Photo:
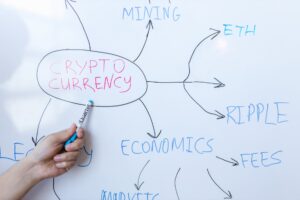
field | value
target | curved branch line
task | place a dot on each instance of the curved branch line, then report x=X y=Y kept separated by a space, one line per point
x=81 y=23
x=175 y=184
x=215 y=34
x=69 y=0
x=184 y=86
x=149 y=26
x=229 y=195
x=53 y=186
x=141 y=50
x=89 y=154
x=149 y=116
x=38 y=127
x=138 y=185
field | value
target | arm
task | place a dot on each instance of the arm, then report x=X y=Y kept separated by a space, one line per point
x=47 y=160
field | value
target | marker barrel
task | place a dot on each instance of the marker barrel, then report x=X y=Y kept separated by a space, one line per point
x=71 y=139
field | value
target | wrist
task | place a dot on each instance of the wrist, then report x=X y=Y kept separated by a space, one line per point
x=33 y=173
x=19 y=179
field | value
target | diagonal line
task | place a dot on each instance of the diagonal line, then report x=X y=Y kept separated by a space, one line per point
x=197 y=102
x=147 y=36
x=78 y=17
x=216 y=183
x=194 y=51
x=53 y=186
x=138 y=182
x=38 y=127
x=149 y=116
x=224 y=160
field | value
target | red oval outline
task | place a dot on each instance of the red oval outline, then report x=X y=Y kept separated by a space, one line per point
x=85 y=50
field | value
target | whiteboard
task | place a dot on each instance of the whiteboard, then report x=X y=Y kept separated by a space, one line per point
x=193 y=99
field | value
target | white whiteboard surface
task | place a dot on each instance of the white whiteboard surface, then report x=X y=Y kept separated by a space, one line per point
x=168 y=69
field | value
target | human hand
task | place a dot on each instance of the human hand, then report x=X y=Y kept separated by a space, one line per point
x=50 y=159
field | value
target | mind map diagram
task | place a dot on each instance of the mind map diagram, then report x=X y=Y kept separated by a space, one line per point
x=155 y=134
x=158 y=155
x=122 y=82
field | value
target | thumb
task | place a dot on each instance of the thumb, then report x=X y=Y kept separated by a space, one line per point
x=64 y=135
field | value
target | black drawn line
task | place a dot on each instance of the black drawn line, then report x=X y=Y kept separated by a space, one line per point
x=217 y=84
x=220 y=84
x=81 y=104
x=175 y=184
x=138 y=185
x=228 y=194
x=149 y=27
x=233 y=162
x=67 y=2
x=156 y=135
x=216 y=113
x=36 y=140
x=211 y=36
x=53 y=186
x=89 y=154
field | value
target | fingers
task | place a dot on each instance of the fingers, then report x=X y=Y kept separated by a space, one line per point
x=64 y=135
x=77 y=144
x=67 y=156
x=65 y=165
x=66 y=160
x=80 y=133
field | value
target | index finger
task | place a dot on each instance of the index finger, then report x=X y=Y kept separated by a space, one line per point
x=76 y=145
x=80 y=133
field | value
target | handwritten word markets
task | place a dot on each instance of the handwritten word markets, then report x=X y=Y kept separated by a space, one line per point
x=108 y=195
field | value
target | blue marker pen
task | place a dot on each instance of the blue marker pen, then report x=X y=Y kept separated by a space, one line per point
x=80 y=122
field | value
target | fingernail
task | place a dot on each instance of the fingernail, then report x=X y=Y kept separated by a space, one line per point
x=57 y=158
x=74 y=124
x=68 y=147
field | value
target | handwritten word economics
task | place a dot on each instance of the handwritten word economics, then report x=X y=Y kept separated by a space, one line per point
x=187 y=145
